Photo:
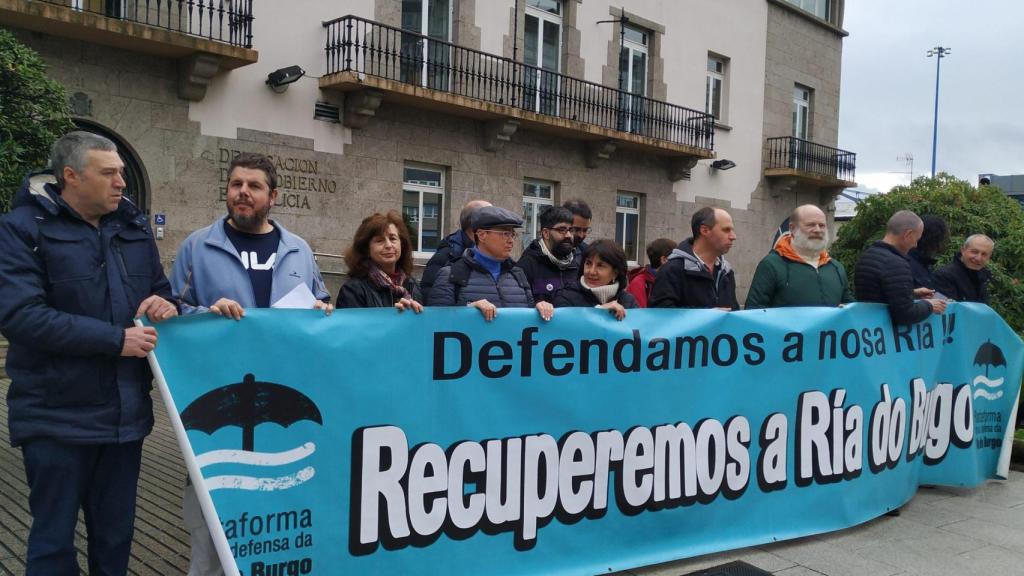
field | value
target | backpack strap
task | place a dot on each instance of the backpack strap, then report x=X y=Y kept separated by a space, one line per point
x=521 y=278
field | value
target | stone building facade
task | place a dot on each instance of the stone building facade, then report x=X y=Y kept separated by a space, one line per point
x=348 y=143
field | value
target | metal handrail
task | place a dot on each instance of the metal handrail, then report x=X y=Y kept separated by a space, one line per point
x=375 y=49
x=228 y=21
x=807 y=156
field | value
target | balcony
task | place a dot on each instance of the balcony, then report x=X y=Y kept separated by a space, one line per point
x=792 y=159
x=204 y=36
x=375 y=62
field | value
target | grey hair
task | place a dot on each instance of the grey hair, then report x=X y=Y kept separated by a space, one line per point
x=903 y=221
x=71 y=149
x=974 y=237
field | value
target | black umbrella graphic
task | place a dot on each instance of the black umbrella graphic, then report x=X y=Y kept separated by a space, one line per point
x=989 y=355
x=248 y=404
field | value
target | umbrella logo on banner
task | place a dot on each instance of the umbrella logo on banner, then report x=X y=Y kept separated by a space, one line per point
x=247 y=404
x=988 y=355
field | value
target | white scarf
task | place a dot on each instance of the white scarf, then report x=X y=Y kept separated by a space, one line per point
x=604 y=294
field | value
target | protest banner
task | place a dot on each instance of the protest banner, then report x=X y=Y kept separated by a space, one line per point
x=375 y=442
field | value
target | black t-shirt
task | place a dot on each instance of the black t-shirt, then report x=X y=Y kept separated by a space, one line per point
x=258 y=253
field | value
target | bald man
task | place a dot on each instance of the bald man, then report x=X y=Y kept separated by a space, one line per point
x=966 y=278
x=799 y=271
x=883 y=272
x=451 y=248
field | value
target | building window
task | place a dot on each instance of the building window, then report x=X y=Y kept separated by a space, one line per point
x=820 y=8
x=543 y=41
x=801 y=112
x=423 y=206
x=633 y=58
x=714 y=94
x=537 y=195
x=627 y=225
x=424 y=61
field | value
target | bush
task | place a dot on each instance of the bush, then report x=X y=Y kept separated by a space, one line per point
x=33 y=114
x=967 y=210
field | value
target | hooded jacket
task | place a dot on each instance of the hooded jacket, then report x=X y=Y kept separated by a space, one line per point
x=546 y=278
x=641 y=281
x=68 y=290
x=783 y=278
x=449 y=250
x=684 y=281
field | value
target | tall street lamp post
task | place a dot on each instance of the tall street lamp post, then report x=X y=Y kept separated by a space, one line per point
x=939 y=52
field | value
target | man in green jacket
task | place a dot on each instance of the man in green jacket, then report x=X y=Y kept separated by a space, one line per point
x=798 y=271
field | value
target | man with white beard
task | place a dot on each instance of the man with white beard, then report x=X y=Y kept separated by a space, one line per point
x=799 y=271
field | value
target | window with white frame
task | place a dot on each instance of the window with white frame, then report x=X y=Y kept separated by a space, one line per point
x=537 y=195
x=627 y=225
x=423 y=206
x=542 y=48
x=714 y=94
x=633 y=58
x=820 y=8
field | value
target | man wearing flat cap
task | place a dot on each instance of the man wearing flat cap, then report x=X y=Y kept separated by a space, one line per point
x=485 y=277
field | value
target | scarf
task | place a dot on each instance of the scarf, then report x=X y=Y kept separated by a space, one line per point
x=382 y=279
x=604 y=294
x=561 y=263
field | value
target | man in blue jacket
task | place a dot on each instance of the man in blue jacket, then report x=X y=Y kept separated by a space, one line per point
x=78 y=264
x=242 y=260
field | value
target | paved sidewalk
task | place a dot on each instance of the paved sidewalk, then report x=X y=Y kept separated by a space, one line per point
x=942 y=531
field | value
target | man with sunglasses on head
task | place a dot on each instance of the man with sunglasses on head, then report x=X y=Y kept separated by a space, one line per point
x=549 y=261
x=485 y=277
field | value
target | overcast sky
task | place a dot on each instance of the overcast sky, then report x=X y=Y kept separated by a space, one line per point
x=888 y=88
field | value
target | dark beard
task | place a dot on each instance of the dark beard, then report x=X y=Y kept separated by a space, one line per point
x=562 y=249
x=250 y=223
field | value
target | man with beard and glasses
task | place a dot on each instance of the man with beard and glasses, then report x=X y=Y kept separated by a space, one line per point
x=550 y=262
x=799 y=271
x=243 y=260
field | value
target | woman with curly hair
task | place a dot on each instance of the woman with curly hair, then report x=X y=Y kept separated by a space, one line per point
x=380 y=266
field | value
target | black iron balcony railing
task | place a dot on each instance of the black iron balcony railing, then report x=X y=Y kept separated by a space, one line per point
x=797 y=154
x=228 y=21
x=366 y=47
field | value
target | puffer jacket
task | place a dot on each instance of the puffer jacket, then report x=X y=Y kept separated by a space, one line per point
x=883 y=275
x=67 y=292
x=546 y=278
x=466 y=280
x=361 y=292
x=685 y=282
x=448 y=250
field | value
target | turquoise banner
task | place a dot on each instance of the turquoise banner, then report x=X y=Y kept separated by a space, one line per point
x=372 y=442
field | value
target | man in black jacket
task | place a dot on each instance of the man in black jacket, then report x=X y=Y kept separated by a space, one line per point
x=883 y=272
x=965 y=278
x=451 y=248
x=697 y=275
x=549 y=261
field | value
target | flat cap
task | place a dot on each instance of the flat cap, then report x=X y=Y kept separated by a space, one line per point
x=493 y=217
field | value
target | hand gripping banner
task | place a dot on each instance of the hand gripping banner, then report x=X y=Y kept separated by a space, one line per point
x=375 y=442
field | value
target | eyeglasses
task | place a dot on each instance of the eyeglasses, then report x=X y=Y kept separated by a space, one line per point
x=563 y=230
x=578 y=230
x=506 y=234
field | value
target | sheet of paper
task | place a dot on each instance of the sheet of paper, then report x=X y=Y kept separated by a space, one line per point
x=298 y=297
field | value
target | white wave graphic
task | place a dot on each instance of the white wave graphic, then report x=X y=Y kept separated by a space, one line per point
x=228 y=482
x=255 y=458
x=981 y=379
x=980 y=393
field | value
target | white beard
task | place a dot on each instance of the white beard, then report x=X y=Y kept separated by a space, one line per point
x=804 y=244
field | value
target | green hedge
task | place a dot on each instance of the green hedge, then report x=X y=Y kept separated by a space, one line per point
x=33 y=114
x=967 y=210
